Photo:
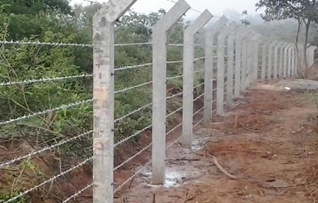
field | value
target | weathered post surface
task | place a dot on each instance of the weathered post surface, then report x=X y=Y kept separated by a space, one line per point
x=103 y=95
x=188 y=76
x=159 y=74
x=220 y=67
x=209 y=66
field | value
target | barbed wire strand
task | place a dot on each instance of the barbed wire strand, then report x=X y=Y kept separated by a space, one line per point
x=133 y=112
x=198 y=123
x=71 y=105
x=200 y=70
x=198 y=111
x=174 y=128
x=175 y=95
x=199 y=58
x=132 y=177
x=133 y=135
x=170 y=114
x=44 y=80
x=61 y=44
x=45 y=149
x=198 y=85
x=49 y=180
x=132 y=157
x=132 y=67
x=78 y=193
x=172 y=62
x=174 y=77
x=133 y=87
x=198 y=97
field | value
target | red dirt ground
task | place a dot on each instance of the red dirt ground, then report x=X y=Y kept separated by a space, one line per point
x=269 y=143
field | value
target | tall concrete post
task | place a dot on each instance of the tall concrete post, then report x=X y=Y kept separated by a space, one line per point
x=230 y=68
x=271 y=60
x=209 y=66
x=264 y=59
x=220 y=67
x=103 y=94
x=238 y=61
x=188 y=76
x=277 y=61
x=159 y=74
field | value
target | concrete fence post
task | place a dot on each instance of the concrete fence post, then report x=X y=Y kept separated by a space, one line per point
x=282 y=60
x=221 y=68
x=209 y=67
x=159 y=74
x=293 y=60
x=255 y=64
x=285 y=56
x=289 y=60
x=264 y=60
x=103 y=94
x=277 y=58
x=188 y=76
x=238 y=61
x=230 y=68
x=270 y=60
x=244 y=68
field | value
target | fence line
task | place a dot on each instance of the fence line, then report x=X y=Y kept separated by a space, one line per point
x=235 y=58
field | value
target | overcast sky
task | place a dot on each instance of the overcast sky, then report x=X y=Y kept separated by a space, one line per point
x=216 y=7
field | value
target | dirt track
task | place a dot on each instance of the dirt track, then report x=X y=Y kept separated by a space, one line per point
x=269 y=143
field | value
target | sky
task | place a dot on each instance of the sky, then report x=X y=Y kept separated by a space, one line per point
x=216 y=7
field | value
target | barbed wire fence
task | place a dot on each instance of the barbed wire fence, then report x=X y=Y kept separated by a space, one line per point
x=139 y=110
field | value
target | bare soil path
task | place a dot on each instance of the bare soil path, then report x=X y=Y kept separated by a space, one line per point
x=269 y=143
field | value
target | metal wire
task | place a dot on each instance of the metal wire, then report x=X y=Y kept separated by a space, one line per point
x=198 y=123
x=132 y=157
x=49 y=180
x=201 y=95
x=78 y=193
x=198 y=85
x=198 y=59
x=132 y=67
x=71 y=105
x=132 y=177
x=175 y=95
x=60 y=44
x=135 y=111
x=175 y=45
x=133 y=87
x=172 y=62
x=45 y=149
x=200 y=70
x=198 y=111
x=174 y=77
x=170 y=114
x=174 y=142
x=133 y=135
x=133 y=44
x=45 y=43
x=44 y=80
x=173 y=129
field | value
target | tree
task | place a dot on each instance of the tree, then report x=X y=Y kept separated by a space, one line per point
x=304 y=11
